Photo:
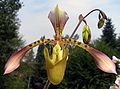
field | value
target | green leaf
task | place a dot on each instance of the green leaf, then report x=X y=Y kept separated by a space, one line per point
x=86 y=34
x=101 y=23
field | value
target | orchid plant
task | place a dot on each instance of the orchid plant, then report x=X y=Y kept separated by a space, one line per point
x=56 y=63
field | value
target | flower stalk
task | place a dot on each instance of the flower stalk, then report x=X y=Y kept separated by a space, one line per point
x=47 y=84
x=83 y=19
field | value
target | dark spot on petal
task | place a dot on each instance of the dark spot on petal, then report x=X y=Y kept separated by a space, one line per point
x=75 y=41
x=70 y=40
x=35 y=42
x=38 y=41
x=30 y=45
x=52 y=40
x=48 y=39
x=42 y=40
x=79 y=43
x=85 y=46
x=65 y=39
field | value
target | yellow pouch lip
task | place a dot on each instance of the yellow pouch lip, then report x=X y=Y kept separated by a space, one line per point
x=55 y=71
x=49 y=60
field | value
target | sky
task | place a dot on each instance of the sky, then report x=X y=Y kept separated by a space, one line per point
x=35 y=23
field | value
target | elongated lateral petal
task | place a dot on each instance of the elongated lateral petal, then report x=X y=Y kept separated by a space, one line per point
x=14 y=61
x=103 y=61
x=58 y=18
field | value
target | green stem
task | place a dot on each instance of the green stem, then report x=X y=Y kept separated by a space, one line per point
x=82 y=20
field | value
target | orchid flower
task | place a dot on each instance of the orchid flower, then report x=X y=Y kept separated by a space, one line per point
x=56 y=63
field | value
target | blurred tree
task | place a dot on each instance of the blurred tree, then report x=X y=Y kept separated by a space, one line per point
x=39 y=76
x=109 y=37
x=10 y=41
x=9 y=38
x=21 y=78
x=118 y=44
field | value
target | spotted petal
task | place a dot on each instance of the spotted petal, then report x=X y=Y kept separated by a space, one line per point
x=103 y=61
x=14 y=60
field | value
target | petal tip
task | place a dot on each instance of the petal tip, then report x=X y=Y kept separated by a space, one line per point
x=14 y=60
x=5 y=73
x=114 y=71
x=103 y=61
x=58 y=18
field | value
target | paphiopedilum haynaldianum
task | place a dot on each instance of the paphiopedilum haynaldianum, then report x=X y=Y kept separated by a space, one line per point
x=56 y=63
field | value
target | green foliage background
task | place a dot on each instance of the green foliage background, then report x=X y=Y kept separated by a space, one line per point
x=11 y=41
